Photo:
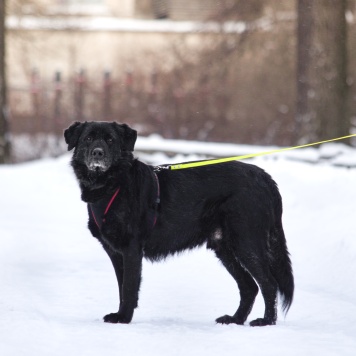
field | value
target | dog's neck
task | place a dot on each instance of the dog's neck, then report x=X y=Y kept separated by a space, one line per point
x=92 y=195
x=95 y=186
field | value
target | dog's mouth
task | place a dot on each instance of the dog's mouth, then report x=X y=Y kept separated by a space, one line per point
x=99 y=166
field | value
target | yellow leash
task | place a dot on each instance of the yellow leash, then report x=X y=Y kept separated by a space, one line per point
x=237 y=158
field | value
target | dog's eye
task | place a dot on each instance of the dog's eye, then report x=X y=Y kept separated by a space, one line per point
x=109 y=140
x=88 y=139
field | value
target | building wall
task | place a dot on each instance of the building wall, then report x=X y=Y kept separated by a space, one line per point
x=94 y=51
x=149 y=9
x=47 y=35
x=122 y=8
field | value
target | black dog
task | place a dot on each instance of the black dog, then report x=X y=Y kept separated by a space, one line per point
x=136 y=212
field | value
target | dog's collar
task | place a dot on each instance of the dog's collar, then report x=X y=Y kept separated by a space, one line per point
x=100 y=208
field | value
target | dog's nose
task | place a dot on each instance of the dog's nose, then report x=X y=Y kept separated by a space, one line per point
x=97 y=153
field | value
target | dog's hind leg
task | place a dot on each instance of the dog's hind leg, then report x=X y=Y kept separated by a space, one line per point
x=247 y=286
x=259 y=270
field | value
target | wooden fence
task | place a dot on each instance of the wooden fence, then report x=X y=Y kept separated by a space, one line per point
x=49 y=106
x=153 y=102
x=181 y=104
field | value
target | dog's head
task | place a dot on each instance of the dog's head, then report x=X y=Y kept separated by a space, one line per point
x=100 y=145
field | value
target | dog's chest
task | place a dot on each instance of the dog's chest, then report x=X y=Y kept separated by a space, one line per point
x=100 y=209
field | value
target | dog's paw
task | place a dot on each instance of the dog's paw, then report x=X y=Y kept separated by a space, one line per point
x=227 y=319
x=117 y=318
x=262 y=322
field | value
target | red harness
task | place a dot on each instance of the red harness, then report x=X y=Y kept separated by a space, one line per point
x=100 y=209
x=97 y=209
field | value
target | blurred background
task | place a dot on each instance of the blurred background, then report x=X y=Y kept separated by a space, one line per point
x=264 y=72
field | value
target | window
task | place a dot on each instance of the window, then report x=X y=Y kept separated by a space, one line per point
x=80 y=2
x=160 y=9
x=81 y=7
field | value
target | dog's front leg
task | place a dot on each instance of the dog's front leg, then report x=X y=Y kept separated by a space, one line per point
x=118 y=264
x=132 y=269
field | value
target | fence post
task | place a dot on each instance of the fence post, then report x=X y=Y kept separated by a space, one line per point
x=154 y=82
x=129 y=82
x=107 y=85
x=35 y=100
x=79 y=95
x=57 y=112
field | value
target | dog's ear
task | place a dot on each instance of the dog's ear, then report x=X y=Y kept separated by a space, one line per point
x=72 y=133
x=129 y=136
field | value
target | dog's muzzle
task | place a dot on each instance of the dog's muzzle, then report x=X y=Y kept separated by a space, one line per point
x=98 y=160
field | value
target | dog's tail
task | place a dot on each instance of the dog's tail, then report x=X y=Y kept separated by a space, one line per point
x=279 y=260
x=281 y=267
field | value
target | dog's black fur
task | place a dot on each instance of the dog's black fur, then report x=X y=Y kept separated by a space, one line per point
x=235 y=208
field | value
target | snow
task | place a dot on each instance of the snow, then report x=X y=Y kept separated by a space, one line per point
x=57 y=283
x=336 y=153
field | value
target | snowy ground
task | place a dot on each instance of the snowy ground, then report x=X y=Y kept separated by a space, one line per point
x=57 y=283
